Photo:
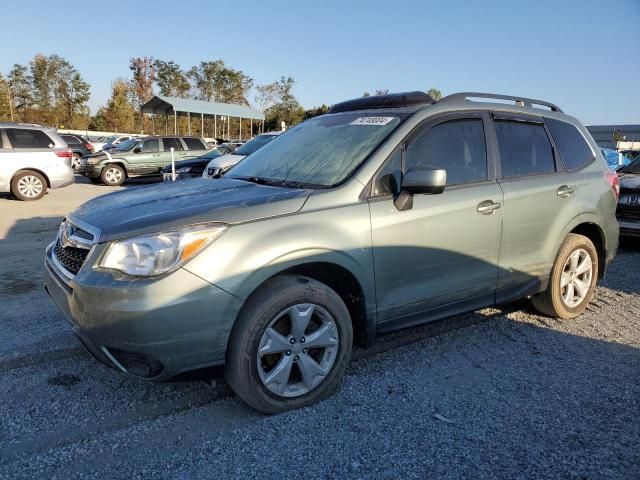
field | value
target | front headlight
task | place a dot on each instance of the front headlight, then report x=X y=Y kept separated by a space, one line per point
x=184 y=170
x=159 y=253
x=93 y=160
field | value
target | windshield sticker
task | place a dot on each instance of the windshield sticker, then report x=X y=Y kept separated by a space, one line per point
x=372 y=121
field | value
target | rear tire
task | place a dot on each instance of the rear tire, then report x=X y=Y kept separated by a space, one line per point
x=75 y=162
x=573 y=279
x=112 y=175
x=28 y=185
x=267 y=338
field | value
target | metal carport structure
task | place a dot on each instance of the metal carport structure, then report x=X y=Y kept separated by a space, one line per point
x=185 y=107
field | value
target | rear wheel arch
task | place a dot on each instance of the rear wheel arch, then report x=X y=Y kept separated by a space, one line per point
x=17 y=172
x=594 y=233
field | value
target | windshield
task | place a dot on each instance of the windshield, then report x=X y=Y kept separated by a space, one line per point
x=110 y=139
x=323 y=151
x=253 y=145
x=126 y=146
x=633 y=167
x=213 y=153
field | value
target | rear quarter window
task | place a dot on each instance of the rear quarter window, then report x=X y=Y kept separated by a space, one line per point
x=574 y=149
x=70 y=139
x=194 y=144
x=23 y=138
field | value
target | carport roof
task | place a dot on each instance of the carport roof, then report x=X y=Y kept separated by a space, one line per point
x=162 y=104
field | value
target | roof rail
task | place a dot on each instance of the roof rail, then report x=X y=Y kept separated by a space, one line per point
x=519 y=101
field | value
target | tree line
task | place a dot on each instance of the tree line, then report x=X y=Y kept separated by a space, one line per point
x=51 y=91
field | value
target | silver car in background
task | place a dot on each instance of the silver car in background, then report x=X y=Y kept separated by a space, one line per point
x=32 y=159
x=219 y=165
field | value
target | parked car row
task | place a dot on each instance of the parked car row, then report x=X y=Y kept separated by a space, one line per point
x=139 y=157
x=387 y=212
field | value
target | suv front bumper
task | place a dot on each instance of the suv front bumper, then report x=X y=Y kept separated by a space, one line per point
x=88 y=170
x=153 y=329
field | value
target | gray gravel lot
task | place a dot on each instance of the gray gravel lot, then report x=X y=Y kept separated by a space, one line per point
x=499 y=393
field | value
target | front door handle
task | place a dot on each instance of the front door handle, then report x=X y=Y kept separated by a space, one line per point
x=487 y=207
x=565 y=191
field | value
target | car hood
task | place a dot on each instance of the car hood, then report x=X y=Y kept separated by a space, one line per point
x=630 y=181
x=225 y=160
x=153 y=208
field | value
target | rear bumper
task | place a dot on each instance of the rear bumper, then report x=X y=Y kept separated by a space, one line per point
x=61 y=177
x=149 y=329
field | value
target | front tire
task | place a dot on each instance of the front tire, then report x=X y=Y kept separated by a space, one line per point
x=290 y=345
x=573 y=279
x=28 y=185
x=112 y=175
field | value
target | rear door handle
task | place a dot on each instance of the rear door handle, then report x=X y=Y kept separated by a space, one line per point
x=565 y=191
x=487 y=207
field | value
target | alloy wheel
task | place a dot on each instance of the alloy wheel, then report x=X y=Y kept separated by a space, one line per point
x=30 y=186
x=113 y=175
x=576 y=278
x=297 y=350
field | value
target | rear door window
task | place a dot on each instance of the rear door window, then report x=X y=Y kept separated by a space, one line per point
x=574 y=149
x=525 y=149
x=458 y=146
x=172 y=142
x=23 y=138
x=151 y=146
x=194 y=144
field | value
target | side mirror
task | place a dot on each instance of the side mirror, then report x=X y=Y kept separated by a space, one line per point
x=429 y=180
x=137 y=150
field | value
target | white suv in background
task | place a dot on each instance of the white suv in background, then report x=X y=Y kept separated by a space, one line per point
x=32 y=159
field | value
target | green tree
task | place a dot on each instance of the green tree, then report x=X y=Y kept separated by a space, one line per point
x=214 y=81
x=314 y=112
x=285 y=107
x=20 y=88
x=144 y=75
x=120 y=114
x=99 y=121
x=434 y=93
x=6 y=108
x=171 y=80
x=72 y=94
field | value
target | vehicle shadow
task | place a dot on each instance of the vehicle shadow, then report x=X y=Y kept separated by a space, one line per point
x=129 y=182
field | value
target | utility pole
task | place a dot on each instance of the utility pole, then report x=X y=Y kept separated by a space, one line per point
x=10 y=102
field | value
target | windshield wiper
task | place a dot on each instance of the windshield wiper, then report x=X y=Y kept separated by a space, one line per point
x=274 y=182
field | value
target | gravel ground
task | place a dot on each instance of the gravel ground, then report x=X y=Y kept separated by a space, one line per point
x=499 y=393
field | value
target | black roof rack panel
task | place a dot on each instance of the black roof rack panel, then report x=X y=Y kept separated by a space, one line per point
x=519 y=101
x=391 y=100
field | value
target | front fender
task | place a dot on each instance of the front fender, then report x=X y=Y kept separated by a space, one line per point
x=248 y=254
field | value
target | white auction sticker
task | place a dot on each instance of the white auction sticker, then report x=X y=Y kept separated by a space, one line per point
x=372 y=121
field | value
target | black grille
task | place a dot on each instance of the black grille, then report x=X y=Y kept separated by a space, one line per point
x=70 y=258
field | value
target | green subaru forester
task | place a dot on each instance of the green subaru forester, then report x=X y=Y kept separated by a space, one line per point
x=387 y=212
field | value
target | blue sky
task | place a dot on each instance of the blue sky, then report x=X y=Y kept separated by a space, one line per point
x=582 y=55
